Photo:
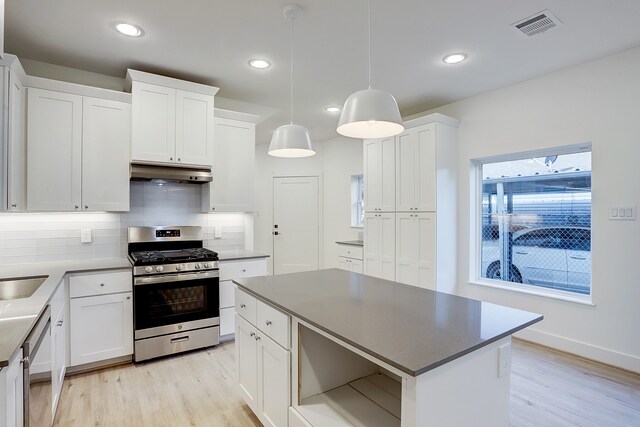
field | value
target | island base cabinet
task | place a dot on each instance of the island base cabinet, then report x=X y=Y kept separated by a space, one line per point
x=11 y=408
x=101 y=328
x=263 y=374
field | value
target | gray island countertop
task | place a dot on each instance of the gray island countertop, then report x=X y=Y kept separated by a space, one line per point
x=410 y=328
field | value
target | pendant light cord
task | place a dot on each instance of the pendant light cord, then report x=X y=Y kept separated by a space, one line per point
x=369 y=44
x=291 y=110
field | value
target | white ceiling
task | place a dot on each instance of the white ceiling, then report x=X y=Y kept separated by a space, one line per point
x=210 y=41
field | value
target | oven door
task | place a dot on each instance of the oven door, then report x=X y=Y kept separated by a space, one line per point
x=170 y=303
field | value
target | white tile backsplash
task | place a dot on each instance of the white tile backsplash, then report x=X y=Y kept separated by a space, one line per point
x=31 y=237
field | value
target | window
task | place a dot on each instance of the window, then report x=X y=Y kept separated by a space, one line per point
x=357 y=200
x=535 y=221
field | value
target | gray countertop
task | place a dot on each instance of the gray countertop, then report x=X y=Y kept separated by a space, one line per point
x=238 y=254
x=351 y=242
x=17 y=317
x=412 y=329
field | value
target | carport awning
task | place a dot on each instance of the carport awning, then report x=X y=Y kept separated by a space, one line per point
x=557 y=182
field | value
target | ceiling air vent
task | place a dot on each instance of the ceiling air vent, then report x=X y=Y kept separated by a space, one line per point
x=536 y=24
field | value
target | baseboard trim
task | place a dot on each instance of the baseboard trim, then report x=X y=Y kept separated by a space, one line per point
x=588 y=351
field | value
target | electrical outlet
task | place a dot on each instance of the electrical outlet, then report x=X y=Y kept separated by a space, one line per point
x=217 y=232
x=85 y=235
x=504 y=359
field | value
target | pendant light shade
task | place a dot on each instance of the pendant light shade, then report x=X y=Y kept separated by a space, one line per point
x=370 y=113
x=291 y=141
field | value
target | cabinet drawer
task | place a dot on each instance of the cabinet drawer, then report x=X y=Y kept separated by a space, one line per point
x=349 y=251
x=246 y=306
x=227 y=294
x=241 y=269
x=99 y=284
x=274 y=323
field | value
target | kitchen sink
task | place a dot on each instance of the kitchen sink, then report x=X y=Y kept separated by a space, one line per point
x=21 y=287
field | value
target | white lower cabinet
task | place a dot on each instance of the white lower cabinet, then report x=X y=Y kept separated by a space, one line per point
x=11 y=403
x=101 y=324
x=58 y=354
x=380 y=245
x=263 y=367
x=350 y=258
x=416 y=249
x=229 y=270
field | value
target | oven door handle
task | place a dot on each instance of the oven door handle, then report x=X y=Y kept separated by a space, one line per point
x=180 y=277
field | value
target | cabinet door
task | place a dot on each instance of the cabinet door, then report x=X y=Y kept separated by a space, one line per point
x=372 y=245
x=11 y=396
x=406 y=172
x=58 y=358
x=388 y=246
x=407 y=247
x=101 y=327
x=17 y=147
x=232 y=189
x=106 y=137
x=247 y=362
x=372 y=175
x=356 y=266
x=54 y=150
x=426 y=223
x=194 y=128
x=425 y=139
x=274 y=377
x=388 y=198
x=153 y=123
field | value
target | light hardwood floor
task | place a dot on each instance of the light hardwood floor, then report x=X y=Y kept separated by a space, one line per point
x=549 y=389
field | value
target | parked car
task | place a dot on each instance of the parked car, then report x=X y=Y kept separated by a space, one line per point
x=553 y=257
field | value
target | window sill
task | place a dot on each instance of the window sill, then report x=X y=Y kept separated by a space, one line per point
x=585 y=300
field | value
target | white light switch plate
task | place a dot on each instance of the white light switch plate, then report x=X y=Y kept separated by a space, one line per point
x=85 y=235
x=217 y=232
x=625 y=213
x=504 y=359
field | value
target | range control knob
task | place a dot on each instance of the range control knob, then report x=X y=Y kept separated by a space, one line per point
x=179 y=267
x=159 y=268
x=148 y=269
x=198 y=265
x=206 y=265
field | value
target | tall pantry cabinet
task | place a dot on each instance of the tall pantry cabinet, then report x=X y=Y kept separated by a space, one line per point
x=410 y=204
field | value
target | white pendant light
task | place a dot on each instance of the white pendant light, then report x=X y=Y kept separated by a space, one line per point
x=291 y=140
x=370 y=113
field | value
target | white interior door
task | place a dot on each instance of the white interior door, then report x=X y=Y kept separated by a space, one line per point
x=296 y=224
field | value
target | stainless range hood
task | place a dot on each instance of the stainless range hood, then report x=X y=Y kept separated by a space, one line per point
x=141 y=172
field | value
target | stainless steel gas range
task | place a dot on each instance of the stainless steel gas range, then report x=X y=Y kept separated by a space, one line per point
x=175 y=293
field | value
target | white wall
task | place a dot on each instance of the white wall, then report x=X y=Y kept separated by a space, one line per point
x=597 y=102
x=336 y=160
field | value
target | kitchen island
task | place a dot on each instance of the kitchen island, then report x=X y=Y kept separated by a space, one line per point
x=358 y=350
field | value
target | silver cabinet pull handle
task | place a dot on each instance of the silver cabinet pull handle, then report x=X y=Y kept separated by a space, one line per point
x=171 y=159
x=243 y=306
x=252 y=334
x=257 y=338
x=179 y=159
x=14 y=205
x=268 y=322
x=101 y=285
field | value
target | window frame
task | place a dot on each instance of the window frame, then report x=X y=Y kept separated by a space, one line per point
x=475 y=226
x=357 y=187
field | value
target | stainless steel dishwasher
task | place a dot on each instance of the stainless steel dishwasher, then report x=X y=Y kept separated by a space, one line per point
x=36 y=351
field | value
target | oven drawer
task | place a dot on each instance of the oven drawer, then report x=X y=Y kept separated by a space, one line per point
x=99 y=284
x=246 y=306
x=274 y=323
x=349 y=251
x=175 y=343
x=240 y=269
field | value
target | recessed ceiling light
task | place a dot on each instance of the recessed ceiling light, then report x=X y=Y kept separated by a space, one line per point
x=129 y=29
x=332 y=109
x=260 y=64
x=454 y=58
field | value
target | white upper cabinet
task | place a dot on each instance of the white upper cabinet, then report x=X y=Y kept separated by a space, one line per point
x=154 y=123
x=194 y=128
x=232 y=189
x=106 y=138
x=78 y=152
x=379 y=175
x=416 y=169
x=172 y=120
x=54 y=146
x=16 y=149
